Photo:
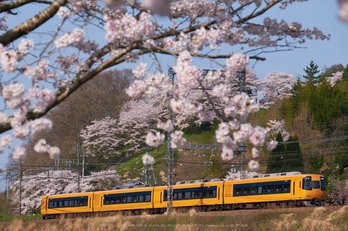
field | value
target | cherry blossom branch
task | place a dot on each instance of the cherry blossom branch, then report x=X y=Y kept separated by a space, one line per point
x=32 y=23
x=13 y=5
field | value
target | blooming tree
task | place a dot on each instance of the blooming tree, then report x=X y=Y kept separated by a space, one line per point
x=238 y=175
x=39 y=72
x=101 y=137
x=278 y=127
x=276 y=86
x=334 y=78
x=136 y=118
x=34 y=187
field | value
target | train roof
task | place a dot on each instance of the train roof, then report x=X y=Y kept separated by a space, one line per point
x=275 y=175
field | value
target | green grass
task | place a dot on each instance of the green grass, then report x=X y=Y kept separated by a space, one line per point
x=24 y=217
x=134 y=165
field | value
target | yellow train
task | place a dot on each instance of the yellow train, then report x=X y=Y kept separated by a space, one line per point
x=262 y=191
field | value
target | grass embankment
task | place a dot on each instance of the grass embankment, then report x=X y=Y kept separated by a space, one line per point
x=318 y=219
x=189 y=165
x=25 y=217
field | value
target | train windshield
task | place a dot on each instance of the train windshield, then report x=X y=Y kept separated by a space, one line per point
x=307 y=183
x=322 y=183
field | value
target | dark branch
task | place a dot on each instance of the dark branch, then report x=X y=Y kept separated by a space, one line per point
x=32 y=23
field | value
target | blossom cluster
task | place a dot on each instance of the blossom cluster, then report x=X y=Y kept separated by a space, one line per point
x=148 y=159
x=334 y=78
x=41 y=147
x=128 y=28
x=277 y=127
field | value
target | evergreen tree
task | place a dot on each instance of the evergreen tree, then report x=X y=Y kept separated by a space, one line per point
x=293 y=160
x=286 y=157
x=311 y=71
x=315 y=163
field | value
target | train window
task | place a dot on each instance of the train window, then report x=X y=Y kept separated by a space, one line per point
x=253 y=190
x=270 y=188
x=307 y=183
x=322 y=183
x=214 y=193
x=187 y=194
x=195 y=194
x=180 y=196
x=118 y=200
x=141 y=197
x=238 y=191
x=71 y=203
x=316 y=184
x=200 y=194
x=175 y=196
x=148 y=198
x=286 y=188
x=66 y=203
x=135 y=198
x=129 y=199
x=300 y=184
x=60 y=204
x=246 y=190
x=50 y=204
x=264 y=189
x=278 y=188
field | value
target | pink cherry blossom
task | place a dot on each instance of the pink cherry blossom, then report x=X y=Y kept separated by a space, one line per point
x=18 y=153
x=154 y=140
x=9 y=60
x=41 y=146
x=6 y=140
x=254 y=165
x=54 y=152
x=177 y=140
x=237 y=62
x=254 y=152
x=3 y=118
x=166 y=126
x=227 y=154
x=272 y=145
x=24 y=45
x=140 y=71
x=148 y=159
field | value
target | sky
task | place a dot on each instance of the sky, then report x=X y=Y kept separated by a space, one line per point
x=322 y=14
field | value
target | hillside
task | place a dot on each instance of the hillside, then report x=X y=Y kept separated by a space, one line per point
x=188 y=164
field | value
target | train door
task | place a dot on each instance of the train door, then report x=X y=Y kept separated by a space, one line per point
x=322 y=188
x=293 y=186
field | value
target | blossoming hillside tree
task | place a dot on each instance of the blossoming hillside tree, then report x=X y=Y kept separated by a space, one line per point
x=136 y=118
x=39 y=72
x=53 y=182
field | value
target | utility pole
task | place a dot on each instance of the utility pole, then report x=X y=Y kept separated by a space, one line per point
x=170 y=152
x=20 y=190
x=242 y=148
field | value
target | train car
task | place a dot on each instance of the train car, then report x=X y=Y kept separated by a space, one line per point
x=265 y=190
x=203 y=194
x=125 y=199
x=283 y=189
x=63 y=204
